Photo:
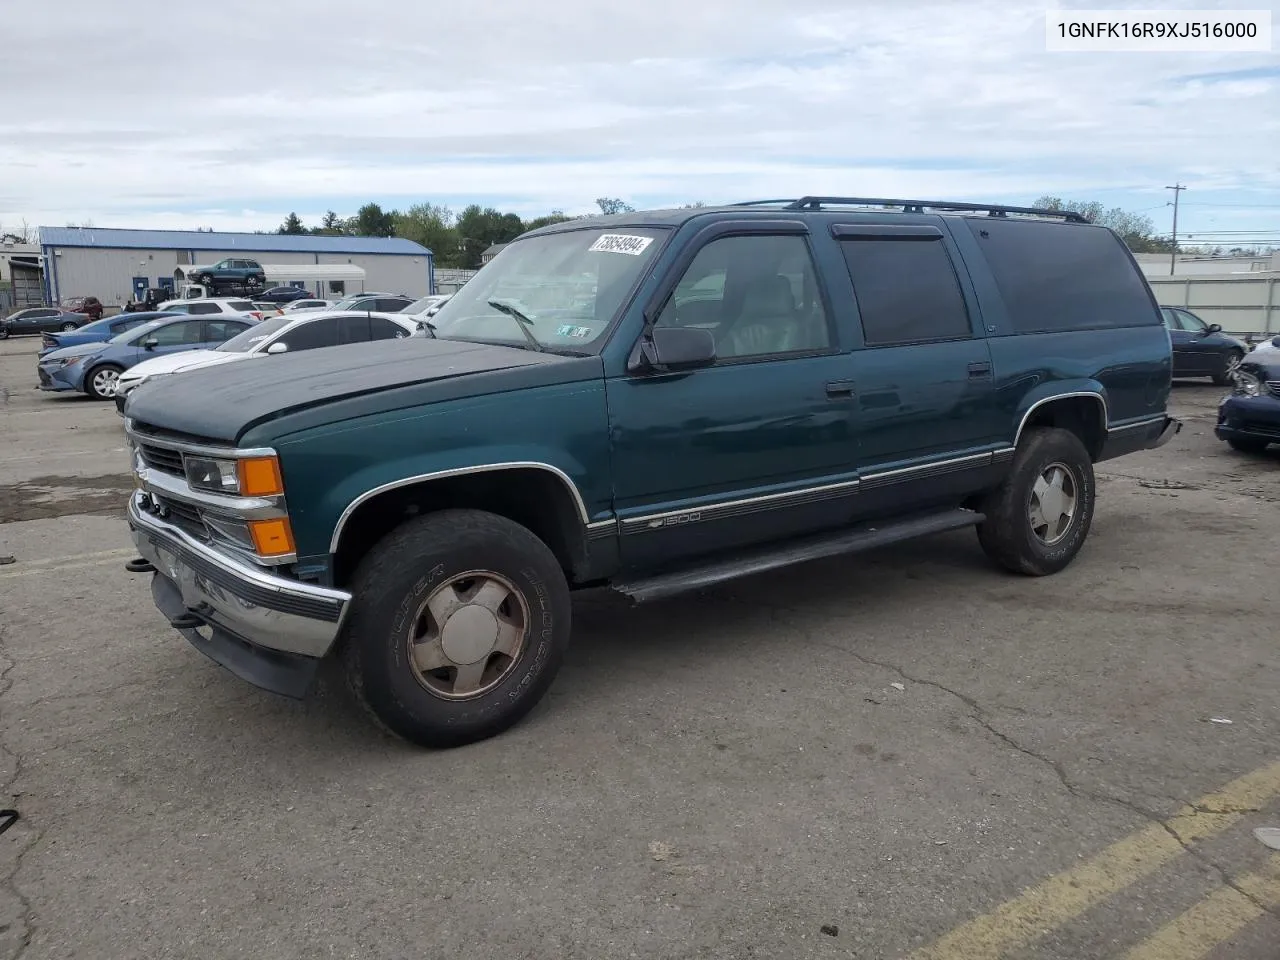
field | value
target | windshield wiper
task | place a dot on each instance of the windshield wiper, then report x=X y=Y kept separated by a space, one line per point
x=523 y=322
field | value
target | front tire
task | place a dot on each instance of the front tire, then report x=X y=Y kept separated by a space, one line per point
x=1223 y=379
x=1038 y=519
x=100 y=382
x=461 y=620
x=67 y=327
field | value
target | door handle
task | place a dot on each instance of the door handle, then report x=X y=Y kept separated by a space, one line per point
x=979 y=371
x=839 y=389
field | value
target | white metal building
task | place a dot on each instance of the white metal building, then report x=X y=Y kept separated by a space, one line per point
x=118 y=265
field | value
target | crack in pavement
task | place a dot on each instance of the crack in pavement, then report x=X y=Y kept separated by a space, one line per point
x=10 y=881
x=978 y=714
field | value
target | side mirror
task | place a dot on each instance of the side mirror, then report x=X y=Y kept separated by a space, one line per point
x=150 y=343
x=676 y=348
x=1275 y=341
x=278 y=347
x=1215 y=328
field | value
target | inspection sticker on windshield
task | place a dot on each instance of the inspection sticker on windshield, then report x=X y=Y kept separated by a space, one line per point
x=622 y=243
x=577 y=333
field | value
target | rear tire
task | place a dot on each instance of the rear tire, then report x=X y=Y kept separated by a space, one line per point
x=428 y=598
x=4 y=332
x=1223 y=379
x=67 y=327
x=1247 y=445
x=99 y=383
x=1038 y=519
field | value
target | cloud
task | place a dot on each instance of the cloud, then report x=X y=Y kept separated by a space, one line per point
x=248 y=110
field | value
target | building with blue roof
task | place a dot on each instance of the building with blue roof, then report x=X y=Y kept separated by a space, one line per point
x=117 y=265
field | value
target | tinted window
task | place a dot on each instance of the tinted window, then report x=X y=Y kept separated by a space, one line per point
x=216 y=331
x=353 y=329
x=239 y=305
x=309 y=336
x=380 y=328
x=203 y=308
x=906 y=291
x=391 y=304
x=757 y=294
x=1059 y=276
x=183 y=332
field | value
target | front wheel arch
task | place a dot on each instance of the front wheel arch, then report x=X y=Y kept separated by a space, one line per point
x=539 y=497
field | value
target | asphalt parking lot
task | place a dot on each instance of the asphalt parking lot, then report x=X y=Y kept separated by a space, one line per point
x=902 y=755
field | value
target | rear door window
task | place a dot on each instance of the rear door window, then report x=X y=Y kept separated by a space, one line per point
x=203 y=308
x=906 y=290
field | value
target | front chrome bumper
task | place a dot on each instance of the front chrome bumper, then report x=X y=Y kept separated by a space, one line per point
x=253 y=605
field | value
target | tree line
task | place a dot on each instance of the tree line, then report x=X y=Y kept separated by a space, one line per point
x=457 y=240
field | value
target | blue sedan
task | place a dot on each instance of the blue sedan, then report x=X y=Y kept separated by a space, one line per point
x=1249 y=417
x=93 y=368
x=99 y=331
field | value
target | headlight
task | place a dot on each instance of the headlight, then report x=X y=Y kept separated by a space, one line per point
x=248 y=477
x=206 y=473
x=1247 y=384
x=59 y=362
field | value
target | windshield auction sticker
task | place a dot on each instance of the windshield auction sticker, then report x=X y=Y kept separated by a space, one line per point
x=621 y=243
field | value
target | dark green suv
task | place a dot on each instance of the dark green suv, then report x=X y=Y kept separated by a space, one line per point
x=653 y=402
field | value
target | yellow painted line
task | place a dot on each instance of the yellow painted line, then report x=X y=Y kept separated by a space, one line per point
x=1067 y=895
x=56 y=564
x=1196 y=932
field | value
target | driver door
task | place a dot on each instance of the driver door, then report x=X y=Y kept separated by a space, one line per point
x=758 y=446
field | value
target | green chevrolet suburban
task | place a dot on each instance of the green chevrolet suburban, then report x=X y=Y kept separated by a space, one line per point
x=651 y=402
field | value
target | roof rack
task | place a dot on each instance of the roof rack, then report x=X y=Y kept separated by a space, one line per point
x=917 y=206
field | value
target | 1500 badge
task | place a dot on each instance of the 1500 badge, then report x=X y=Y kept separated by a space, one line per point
x=674 y=521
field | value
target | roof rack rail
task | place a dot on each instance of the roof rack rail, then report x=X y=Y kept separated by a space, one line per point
x=919 y=206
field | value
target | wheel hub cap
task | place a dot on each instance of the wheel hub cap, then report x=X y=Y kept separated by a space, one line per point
x=1053 y=503
x=467 y=635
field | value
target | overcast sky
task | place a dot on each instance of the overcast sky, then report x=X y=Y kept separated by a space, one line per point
x=151 y=113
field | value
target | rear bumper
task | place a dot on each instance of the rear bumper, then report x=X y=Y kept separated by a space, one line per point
x=1148 y=434
x=268 y=630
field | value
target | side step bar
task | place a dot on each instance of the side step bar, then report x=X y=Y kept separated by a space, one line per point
x=865 y=536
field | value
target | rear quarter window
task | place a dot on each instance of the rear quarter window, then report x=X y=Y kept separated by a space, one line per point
x=1055 y=277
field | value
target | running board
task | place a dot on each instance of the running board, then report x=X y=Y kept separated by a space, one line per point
x=865 y=536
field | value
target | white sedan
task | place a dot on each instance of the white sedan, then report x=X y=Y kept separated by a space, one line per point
x=305 y=330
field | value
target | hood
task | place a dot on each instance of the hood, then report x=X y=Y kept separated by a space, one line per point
x=172 y=362
x=1264 y=365
x=222 y=404
x=75 y=350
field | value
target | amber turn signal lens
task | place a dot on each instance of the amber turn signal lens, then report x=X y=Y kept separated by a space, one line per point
x=260 y=477
x=271 y=538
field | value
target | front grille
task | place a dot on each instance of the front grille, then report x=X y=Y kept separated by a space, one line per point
x=44 y=377
x=161 y=458
x=1274 y=387
x=182 y=515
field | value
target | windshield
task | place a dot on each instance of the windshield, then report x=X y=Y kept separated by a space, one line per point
x=246 y=340
x=569 y=286
x=133 y=332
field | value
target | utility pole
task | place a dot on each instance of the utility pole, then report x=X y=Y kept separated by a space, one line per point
x=1177 y=189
